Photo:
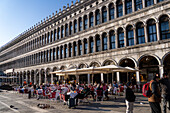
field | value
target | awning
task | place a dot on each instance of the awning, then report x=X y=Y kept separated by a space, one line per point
x=95 y=70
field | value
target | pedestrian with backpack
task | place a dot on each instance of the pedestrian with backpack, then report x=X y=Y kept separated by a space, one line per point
x=129 y=98
x=165 y=90
x=155 y=98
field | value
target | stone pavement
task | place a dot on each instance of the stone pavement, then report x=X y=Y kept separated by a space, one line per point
x=23 y=105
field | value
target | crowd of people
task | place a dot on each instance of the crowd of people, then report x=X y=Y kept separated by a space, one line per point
x=160 y=89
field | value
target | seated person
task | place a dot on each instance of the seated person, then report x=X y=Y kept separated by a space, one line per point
x=63 y=93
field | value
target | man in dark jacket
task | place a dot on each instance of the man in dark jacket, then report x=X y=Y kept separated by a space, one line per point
x=155 y=99
x=165 y=89
x=129 y=98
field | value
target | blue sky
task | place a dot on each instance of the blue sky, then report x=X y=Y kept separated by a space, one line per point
x=16 y=16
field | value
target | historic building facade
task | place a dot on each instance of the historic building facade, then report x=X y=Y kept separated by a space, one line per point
x=134 y=33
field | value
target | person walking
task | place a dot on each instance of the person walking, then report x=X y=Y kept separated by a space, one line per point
x=155 y=98
x=165 y=90
x=129 y=98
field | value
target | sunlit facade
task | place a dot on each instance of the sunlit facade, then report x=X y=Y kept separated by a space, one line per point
x=134 y=33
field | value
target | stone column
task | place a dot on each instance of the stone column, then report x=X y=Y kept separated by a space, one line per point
x=108 y=41
x=22 y=78
x=107 y=13
x=77 y=78
x=88 y=76
x=19 y=77
x=88 y=19
x=146 y=34
x=137 y=76
x=133 y=6
x=52 y=79
x=134 y=32
x=78 y=25
x=40 y=78
x=101 y=16
x=88 y=43
x=27 y=77
x=107 y=78
x=35 y=78
x=115 y=10
x=94 y=46
x=118 y=77
x=73 y=49
x=112 y=77
x=102 y=77
x=30 y=78
x=125 y=39
x=94 y=13
x=101 y=43
x=158 y=31
x=161 y=70
x=143 y=3
x=45 y=78
x=124 y=7
x=116 y=38
x=83 y=23
x=92 y=78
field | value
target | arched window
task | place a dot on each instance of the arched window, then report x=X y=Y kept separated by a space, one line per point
x=48 y=55
x=149 y=3
x=42 y=57
x=54 y=53
x=58 y=53
x=85 y=22
x=112 y=40
x=151 y=28
x=85 y=46
x=43 y=41
x=91 y=45
x=160 y=0
x=80 y=24
x=130 y=35
x=70 y=50
x=164 y=27
x=65 y=51
x=51 y=54
x=128 y=6
x=98 y=43
x=80 y=47
x=75 y=48
x=48 y=37
x=104 y=40
x=97 y=17
x=119 y=4
x=58 y=33
x=75 y=26
x=111 y=11
x=46 y=40
x=91 y=19
x=104 y=14
x=66 y=29
x=140 y=33
x=120 y=37
x=71 y=28
x=62 y=52
x=55 y=34
x=62 y=31
x=52 y=38
x=138 y=5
